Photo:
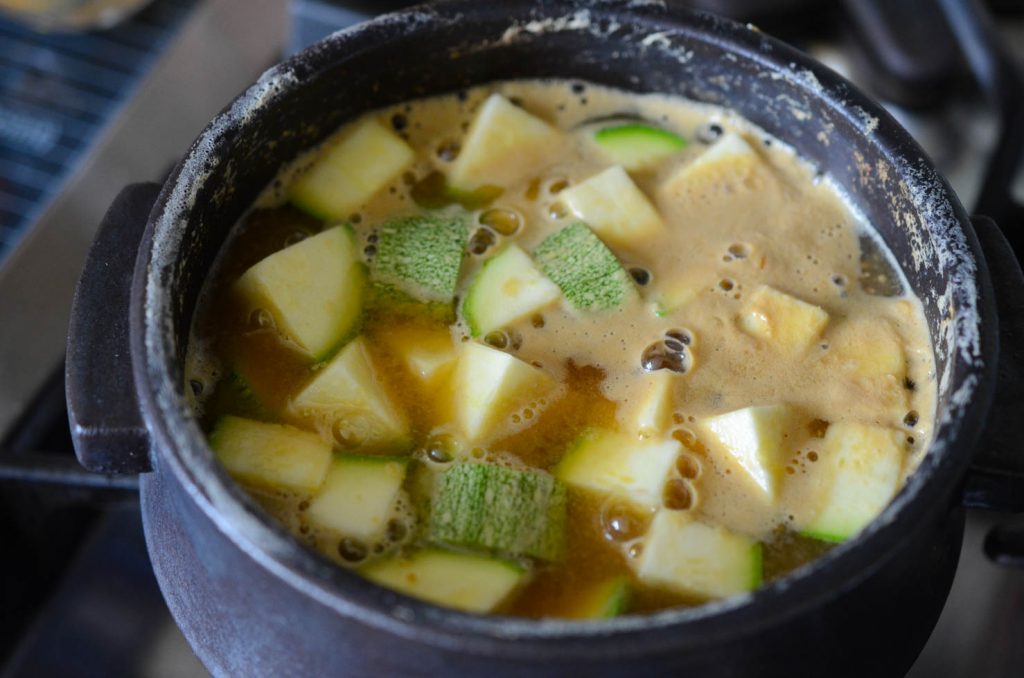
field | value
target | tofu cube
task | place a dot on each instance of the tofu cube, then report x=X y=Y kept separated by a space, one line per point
x=782 y=320
x=754 y=438
x=504 y=145
x=696 y=559
x=614 y=208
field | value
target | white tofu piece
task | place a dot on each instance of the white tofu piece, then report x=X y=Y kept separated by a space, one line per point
x=504 y=144
x=614 y=208
x=754 y=437
x=697 y=559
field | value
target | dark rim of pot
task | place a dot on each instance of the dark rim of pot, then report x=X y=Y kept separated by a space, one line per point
x=180 y=447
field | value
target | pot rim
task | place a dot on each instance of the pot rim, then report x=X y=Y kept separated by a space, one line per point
x=179 y=446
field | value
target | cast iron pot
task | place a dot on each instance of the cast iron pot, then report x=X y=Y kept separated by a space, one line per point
x=252 y=601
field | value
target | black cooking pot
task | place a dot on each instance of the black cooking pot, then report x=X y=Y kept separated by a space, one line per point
x=252 y=601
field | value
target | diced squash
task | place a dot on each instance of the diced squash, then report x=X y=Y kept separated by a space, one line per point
x=347 y=394
x=697 y=559
x=421 y=256
x=492 y=508
x=464 y=581
x=859 y=469
x=351 y=170
x=727 y=161
x=603 y=600
x=612 y=205
x=271 y=456
x=678 y=289
x=507 y=289
x=782 y=320
x=426 y=351
x=489 y=385
x=312 y=289
x=504 y=144
x=358 y=496
x=637 y=146
x=755 y=438
x=867 y=348
x=621 y=465
x=587 y=272
x=650 y=412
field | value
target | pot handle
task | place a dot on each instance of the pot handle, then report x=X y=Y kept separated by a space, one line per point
x=103 y=409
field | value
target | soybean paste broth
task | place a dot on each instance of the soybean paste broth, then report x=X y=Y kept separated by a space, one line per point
x=775 y=224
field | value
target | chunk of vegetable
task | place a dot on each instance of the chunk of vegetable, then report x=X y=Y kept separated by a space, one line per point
x=348 y=395
x=426 y=351
x=358 y=496
x=587 y=272
x=648 y=415
x=729 y=160
x=464 y=581
x=488 y=507
x=351 y=170
x=782 y=320
x=507 y=289
x=312 y=289
x=421 y=256
x=621 y=465
x=489 y=385
x=272 y=456
x=615 y=208
x=504 y=145
x=696 y=559
x=637 y=146
x=868 y=348
x=859 y=470
x=754 y=437
x=603 y=600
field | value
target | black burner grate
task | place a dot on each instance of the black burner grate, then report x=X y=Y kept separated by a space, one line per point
x=57 y=94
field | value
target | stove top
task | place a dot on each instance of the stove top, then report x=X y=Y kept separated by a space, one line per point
x=83 y=115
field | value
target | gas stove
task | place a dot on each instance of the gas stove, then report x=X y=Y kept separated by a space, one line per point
x=82 y=115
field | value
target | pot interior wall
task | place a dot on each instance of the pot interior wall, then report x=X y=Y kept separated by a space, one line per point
x=641 y=47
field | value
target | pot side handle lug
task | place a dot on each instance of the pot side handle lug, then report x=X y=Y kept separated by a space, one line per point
x=103 y=410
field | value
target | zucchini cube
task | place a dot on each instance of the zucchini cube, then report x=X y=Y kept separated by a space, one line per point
x=503 y=146
x=350 y=170
x=427 y=352
x=349 y=394
x=358 y=495
x=696 y=559
x=730 y=160
x=859 y=471
x=489 y=385
x=754 y=438
x=782 y=320
x=637 y=146
x=464 y=581
x=421 y=256
x=621 y=465
x=271 y=456
x=508 y=288
x=587 y=272
x=612 y=205
x=313 y=289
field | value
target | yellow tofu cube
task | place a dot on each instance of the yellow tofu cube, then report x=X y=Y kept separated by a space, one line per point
x=504 y=145
x=782 y=320
x=755 y=438
x=614 y=208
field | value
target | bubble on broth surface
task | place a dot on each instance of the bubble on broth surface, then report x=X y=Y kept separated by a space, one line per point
x=502 y=220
